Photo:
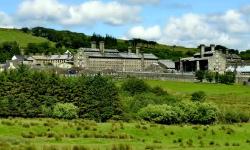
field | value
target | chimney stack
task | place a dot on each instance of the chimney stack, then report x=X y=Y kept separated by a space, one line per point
x=93 y=44
x=102 y=46
x=202 y=50
x=212 y=46
x=129 y=49
x=137 y=50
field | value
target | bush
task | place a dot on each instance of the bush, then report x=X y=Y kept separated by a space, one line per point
x=209 y=76
x=199 y=96
x=235 y=117
x=197 y=113
x=159 y=91
x=142 y=100
x=65 y=111
x=200 y=75
x=135 y=86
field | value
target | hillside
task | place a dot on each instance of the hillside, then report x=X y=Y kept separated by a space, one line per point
x=63 y=40
x=20 y=37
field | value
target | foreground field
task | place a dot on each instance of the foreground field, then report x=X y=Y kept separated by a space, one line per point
x=79 y=134
x=233 y=97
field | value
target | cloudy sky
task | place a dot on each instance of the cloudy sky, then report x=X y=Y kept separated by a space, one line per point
x=174 y=22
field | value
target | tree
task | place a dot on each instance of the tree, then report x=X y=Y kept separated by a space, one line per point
x=65 y=111
x=101 y=101
x=200 y=75
x=135 y=86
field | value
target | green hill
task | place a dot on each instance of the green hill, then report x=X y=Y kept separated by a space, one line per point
x=20 y=37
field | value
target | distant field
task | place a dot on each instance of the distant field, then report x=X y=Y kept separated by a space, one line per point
x=38 y=134
x=22 y=38
x=236 y=97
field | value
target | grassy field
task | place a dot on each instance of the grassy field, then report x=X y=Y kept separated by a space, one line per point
x=22 y=38
x=235 y=97
x=79 y=134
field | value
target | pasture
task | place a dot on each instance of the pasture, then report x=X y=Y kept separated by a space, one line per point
x=20 y=37
x=38 y=134
x=233 y=97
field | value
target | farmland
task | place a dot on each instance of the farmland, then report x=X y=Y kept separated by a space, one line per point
x=20 y=37
x=236 y=97
x=83 y=134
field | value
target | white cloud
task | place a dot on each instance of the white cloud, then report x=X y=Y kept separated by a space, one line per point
x=230 y=28
x=5 y=20
x=150 y=33
x=142 y=1
x=87 y=13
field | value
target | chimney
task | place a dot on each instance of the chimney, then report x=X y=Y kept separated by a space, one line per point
x=102 y=46
x=202 y=50
x=212 y=46
x=137 y=50
x=22 y=51
x=93 y=44
x=129 y=49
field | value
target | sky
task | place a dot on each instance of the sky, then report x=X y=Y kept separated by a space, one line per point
x=174 y=22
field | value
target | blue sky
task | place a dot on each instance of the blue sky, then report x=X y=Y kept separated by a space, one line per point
x=180 y=22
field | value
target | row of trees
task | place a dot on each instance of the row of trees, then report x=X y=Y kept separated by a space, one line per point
x=7 y=50
x=226 y=78
x=25 y=93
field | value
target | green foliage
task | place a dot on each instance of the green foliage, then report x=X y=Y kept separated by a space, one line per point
x=135 y=86
x=232 y=116
x=245 y=55
x=197 y=113
x=159 y=91
x=227 y=78
x=30 y=93
x=142 y=100
x=200 y=75
x=101 y=100
x=199 y=96
x=7 y=50
x=209 y=76
x=65 y=111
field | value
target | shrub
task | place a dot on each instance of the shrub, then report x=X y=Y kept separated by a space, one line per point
x=159 y=91
x=142 y=100
x=209 y=76
x=232 y=116
x=200 y=75
x=199 y=96
x=65 y=111
x=135 y=86
x=197 y=113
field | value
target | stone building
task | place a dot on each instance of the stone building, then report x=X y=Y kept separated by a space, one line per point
x=62 y=61
x=102 y=59
x=212 y=60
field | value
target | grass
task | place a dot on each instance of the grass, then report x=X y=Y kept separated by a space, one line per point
x=236 y=97
x=20 y=37
x=111 y=135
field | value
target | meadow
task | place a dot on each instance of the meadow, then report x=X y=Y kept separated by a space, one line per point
x=20 y=37
x=234 y=97
x=38 y=134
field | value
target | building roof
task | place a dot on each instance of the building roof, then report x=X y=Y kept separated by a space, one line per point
x=51 y=57
x=119 y=55
x=167 y=63
x=241 y=69
x=18 y=58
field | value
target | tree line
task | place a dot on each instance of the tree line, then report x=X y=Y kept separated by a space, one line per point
x=25 y=93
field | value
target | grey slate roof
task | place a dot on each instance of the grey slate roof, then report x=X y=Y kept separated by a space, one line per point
x=168 y=63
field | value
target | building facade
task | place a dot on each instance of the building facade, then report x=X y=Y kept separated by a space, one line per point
x=111 y=59
x=212 y=60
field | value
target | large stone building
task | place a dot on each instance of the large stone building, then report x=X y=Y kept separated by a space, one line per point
x=111 y=59
x=212 y=60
